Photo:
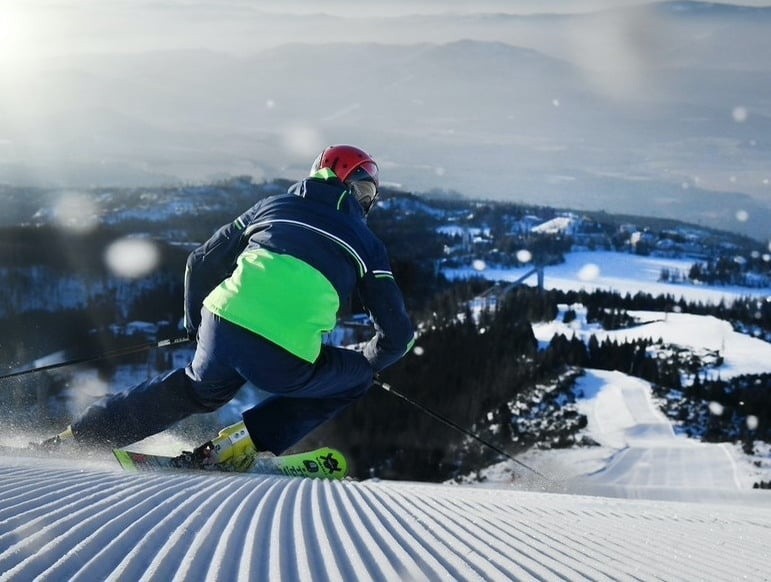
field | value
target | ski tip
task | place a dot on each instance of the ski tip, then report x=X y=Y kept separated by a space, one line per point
x=335 y=463
x=124 y=459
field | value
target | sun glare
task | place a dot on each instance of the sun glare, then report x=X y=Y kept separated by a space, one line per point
x=17 y=43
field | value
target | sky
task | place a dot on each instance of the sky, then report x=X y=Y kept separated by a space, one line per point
x=587 y=112
x=30 y=29
x=647 y=503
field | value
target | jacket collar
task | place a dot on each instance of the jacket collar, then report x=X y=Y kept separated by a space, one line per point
x=325 y=187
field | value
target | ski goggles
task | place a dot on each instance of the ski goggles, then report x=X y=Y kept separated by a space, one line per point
x=366 y=193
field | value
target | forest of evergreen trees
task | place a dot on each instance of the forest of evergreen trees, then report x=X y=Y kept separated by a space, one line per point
x=752 y=271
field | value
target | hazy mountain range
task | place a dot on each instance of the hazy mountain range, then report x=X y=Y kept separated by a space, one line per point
x=662 y=109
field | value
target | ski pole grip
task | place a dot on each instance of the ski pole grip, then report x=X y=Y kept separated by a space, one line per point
x=173 y=341
x=384 y=385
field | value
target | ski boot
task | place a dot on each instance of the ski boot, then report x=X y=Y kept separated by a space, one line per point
x=54 y=443
x=231 y=450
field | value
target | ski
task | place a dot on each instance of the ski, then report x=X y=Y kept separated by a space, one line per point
x=323 y=463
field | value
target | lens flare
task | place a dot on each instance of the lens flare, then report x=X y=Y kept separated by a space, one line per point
x=132 y=257
x=76 y=212
x=302 y=142
x=740 y=114
x=589 y=272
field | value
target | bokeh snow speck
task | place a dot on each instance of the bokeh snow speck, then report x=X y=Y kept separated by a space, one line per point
x=418 y=351
x=132 y=257
x=716 y=408
x=85 y=390
x=752 y=422
x=739 y=114
x=589 y=272
x=76 y=212
x=524 y=256
x=479 y=265
x=302 y=142
x=742 y=215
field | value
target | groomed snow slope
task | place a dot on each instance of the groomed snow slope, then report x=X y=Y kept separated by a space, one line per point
x=91 y=522
x=640 y=455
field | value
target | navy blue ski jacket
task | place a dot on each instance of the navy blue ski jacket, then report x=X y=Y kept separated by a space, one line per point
x=284 y=268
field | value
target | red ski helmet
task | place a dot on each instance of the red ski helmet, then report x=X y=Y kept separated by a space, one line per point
x=343 y=160
x=354 y=167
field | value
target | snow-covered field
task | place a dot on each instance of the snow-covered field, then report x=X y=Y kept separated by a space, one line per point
x=646 y=504
x=621 y=272
x=741 y=354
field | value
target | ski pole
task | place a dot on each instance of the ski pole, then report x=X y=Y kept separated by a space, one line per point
x=446 y=421
x=104 y=355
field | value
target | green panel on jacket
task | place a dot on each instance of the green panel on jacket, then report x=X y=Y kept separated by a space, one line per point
x=279 y=297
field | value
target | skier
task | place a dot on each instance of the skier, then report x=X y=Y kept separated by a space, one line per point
x=259 y=295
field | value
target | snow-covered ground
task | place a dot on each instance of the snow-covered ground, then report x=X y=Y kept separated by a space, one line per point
x=89 y=522
x=621 y=272
x=640 y=456
x=645 y=504
x=741 y=354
